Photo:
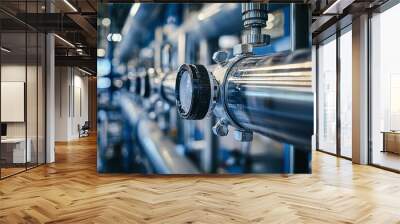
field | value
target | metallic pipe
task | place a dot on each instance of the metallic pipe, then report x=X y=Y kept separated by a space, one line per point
x=129 y=109
x=116 y=142
x=273 y=96
x=161 y=151
x=212 y=22
x=254 y=16
x=137 y=30
x=168 y=88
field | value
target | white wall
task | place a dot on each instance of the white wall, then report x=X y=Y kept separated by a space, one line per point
x=33 y=126
x=71 y=93
x=13 y=73
x=80 y=94
x=61 y=103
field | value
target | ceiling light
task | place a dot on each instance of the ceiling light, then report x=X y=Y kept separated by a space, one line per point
x=109 y=36
x=84 y=71
x=79 y=51
x=106 y=22
x=5 y=50
x=116 y=37
x=134 y=9
x=337 y=7
x=65 y=41
x=101 y=52
x=70 y=5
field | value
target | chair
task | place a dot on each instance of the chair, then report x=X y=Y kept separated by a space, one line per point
x=84 y=130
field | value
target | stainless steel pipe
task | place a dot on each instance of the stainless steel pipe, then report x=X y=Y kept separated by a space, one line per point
x=161 y=151
x=168 y=88
x=273 y=96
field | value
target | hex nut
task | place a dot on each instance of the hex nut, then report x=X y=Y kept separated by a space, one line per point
x=220 y=129
x=220 y=57
x=242 y=49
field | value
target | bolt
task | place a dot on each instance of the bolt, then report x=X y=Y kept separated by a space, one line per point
x=220 y=57
x=242 y=49
x=220 y=128
x=243 y=136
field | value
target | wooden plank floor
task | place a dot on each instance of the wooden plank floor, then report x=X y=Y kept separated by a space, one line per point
x=70 y=191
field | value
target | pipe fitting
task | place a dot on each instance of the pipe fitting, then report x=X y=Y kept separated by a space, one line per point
x=242 y=49
x=248 y=96
x=254 y=17
x=221 y=128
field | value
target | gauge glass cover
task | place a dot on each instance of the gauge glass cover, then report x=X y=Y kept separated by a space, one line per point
x=186 y=91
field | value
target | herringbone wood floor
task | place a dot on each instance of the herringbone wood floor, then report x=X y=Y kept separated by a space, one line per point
x=70 y=191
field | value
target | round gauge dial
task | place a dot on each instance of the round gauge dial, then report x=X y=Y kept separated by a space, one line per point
x=186 y=91
x=193 y=91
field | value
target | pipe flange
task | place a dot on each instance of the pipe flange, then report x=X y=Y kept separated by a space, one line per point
x=224 y=89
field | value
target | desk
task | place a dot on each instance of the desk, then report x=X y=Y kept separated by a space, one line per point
x=13 y=150
x=391 y=141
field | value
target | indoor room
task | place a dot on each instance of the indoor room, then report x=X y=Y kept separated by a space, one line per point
x=281 y=111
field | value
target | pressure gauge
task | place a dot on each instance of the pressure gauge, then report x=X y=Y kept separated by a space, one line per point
x=193 y=91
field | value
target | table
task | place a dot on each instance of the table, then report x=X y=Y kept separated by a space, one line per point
x=15 y=148
x=391 y=141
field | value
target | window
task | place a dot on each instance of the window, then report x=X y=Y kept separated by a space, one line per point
x=385 y=89
x=327 y=96
x=346 y=92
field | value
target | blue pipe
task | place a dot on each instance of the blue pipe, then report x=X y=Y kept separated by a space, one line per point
x=138 y=30
x=213 y=21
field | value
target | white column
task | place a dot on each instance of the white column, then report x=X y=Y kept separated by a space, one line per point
x=50 y=99
x=360 y=90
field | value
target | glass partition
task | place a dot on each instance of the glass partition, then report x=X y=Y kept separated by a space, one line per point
x=22 y=88
x=32 y=96
x=15 y=149
x=41 y=97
